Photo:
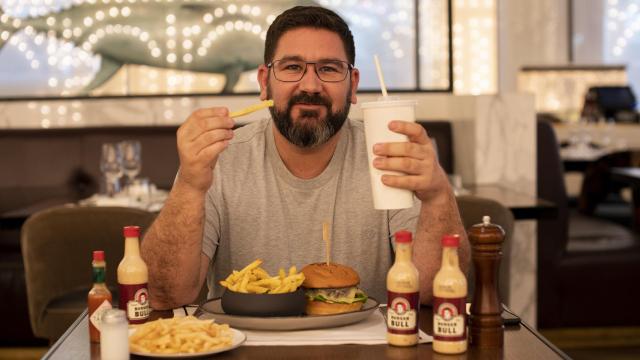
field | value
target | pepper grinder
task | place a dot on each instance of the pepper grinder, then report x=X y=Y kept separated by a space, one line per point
x=486 y=328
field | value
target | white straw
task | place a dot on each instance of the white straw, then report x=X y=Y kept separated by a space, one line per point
x=380 y=77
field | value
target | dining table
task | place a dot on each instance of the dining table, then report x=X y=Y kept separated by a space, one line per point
x=523 y=206
x=521 y=341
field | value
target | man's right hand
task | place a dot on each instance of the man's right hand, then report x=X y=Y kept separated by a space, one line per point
x=201 y=138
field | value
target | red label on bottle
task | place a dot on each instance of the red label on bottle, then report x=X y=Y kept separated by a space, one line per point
x=402 y=312
x=449 y=319
x=134 y=299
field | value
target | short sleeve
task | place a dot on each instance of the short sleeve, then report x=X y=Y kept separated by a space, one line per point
x=405 y=219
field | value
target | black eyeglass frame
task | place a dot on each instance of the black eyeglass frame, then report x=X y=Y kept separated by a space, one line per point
x=350 y=67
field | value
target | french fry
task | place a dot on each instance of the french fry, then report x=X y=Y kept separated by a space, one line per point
x=248 y=110
x=292 y=270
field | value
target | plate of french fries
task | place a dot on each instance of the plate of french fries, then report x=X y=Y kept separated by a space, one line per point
x=180 y=337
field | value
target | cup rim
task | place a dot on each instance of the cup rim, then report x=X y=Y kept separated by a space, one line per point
x=387 y=103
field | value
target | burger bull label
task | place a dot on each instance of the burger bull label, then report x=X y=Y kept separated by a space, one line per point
x=134 y=299
x=402 y=312
x=449 y=320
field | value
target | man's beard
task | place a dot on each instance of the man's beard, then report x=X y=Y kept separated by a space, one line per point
x=314 y=132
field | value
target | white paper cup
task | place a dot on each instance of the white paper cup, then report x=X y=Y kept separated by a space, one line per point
x=377 y=116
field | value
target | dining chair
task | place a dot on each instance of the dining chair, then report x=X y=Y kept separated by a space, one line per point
x=600 y=195
x=441 y=132
x=472 y=210
x=585 y=264
x=57 y=244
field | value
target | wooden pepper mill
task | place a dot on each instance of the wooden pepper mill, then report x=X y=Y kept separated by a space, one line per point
x=486 y=329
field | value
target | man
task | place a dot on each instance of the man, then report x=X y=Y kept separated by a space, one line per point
x=265 y=190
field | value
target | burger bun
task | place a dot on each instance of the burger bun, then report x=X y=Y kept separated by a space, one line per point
x=325 y=276
x=323 y=308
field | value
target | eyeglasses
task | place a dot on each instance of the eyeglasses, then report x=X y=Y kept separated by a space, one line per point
x=289 y=70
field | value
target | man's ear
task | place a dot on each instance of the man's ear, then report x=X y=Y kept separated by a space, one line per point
x=355 y=79
x=263 y=77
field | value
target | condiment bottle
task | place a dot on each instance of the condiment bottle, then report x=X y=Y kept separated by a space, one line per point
x=132 y=278
x=403 y=294
x=486 y=329
x=99 y=297
x=449 y=301
x=114 y=337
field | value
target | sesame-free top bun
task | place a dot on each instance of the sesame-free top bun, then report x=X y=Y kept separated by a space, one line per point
x=323 y=276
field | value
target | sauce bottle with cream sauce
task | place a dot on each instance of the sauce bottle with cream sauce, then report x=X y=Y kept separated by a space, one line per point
x=132 y=279
x=403 y=294
x=449 y=301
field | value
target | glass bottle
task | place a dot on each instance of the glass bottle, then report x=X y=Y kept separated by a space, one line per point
x=403 y=294
x=133 y=276
x=449 y=301
x=99 y=297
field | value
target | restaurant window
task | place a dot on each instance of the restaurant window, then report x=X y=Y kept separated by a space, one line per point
x=608 y=32
x=143 y=47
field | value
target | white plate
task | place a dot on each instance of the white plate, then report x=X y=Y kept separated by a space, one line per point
x=213 y=309
x=238 y=338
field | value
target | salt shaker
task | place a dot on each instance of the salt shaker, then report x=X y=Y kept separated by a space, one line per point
x=114 y=335
x=486 y=329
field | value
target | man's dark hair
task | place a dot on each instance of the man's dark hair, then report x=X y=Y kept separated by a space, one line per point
x=308 y=16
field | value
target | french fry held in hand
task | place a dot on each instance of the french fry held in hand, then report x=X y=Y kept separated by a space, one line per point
x=254 y=279
x=180 y=335
x=253 y=108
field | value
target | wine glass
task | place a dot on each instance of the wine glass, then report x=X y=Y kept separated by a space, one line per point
x=131 y=159
x=111 y=167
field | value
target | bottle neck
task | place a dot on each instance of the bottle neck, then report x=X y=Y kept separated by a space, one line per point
x=404 y=252
x=99 y=273
x=450 y=257
x=131 y=247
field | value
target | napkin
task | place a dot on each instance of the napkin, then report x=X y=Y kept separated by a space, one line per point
x=370 y=331
x=153 y=203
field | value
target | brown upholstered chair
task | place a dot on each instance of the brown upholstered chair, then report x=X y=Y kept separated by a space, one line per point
x=56 y=247
x=472 y=209
x=582 y=260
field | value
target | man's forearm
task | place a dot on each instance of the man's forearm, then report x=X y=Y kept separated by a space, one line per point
x=438 y=216
x=172 y=249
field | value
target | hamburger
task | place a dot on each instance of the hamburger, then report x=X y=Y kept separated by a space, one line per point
x=332 y=289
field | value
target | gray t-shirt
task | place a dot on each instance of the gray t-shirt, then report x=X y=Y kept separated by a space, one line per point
x=256 y=208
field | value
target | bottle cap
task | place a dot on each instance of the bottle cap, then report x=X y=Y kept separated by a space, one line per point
x=486 y=233
x=98 y=255
x=403 y=236
x=131 y=231
x=452 y=240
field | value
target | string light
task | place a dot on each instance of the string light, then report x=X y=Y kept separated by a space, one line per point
x=474 y=47
x=69 y=47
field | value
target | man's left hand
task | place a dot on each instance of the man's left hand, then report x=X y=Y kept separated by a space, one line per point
x=415 y=158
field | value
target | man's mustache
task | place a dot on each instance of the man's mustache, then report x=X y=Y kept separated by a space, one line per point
x=312 y=99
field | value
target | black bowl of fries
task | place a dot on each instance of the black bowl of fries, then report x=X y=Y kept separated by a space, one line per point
x=247 y=304
x=253 y=292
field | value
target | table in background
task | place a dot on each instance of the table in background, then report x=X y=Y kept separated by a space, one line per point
x=631 y=175
x=521 y=342
x=523 y=206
